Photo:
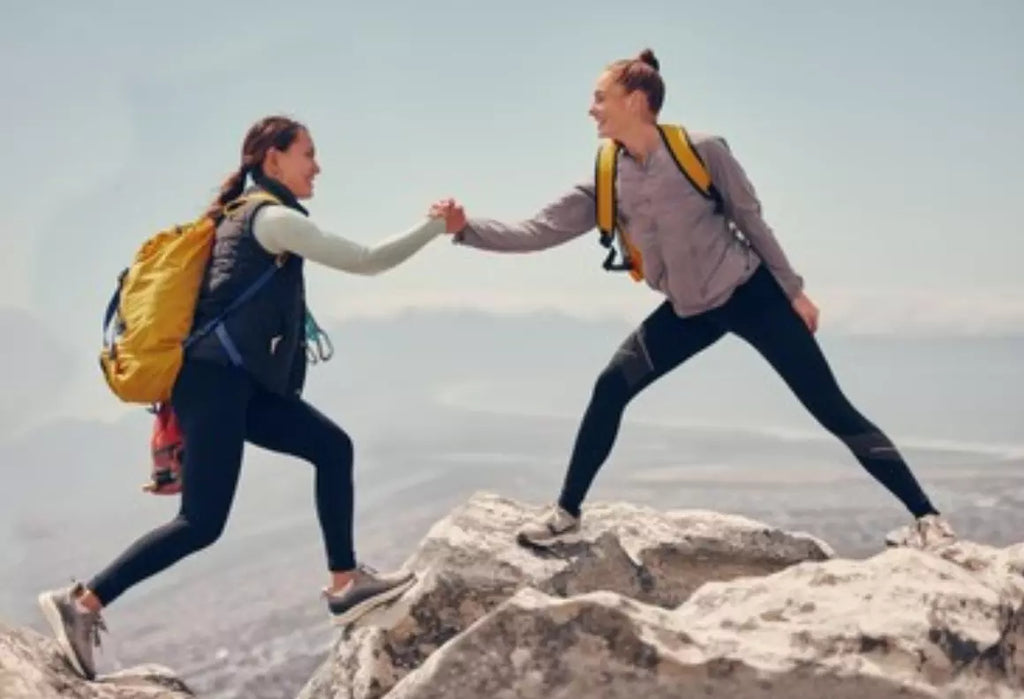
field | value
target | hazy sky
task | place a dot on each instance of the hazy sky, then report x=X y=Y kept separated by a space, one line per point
x=883 y=137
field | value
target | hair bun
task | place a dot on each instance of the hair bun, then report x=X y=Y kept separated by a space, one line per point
x=647 y=56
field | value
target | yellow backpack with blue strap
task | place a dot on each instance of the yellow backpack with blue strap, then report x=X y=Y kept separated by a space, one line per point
x=147 y=324
x=689 y=162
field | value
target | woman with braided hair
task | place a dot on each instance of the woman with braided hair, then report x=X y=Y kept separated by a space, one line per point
x=243 y=383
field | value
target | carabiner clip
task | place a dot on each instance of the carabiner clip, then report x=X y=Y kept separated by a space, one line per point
x=319 y=347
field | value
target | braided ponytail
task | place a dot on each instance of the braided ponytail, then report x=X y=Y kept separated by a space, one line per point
x=230 y=190
x=270 y=132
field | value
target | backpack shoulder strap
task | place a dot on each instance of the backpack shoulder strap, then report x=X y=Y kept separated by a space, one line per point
x=604 y=186
x=690 y=163
x=260 y=197
x=607 y=214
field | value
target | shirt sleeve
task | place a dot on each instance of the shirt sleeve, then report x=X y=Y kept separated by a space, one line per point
x=569 y=216
x=280 y=229
x=744 y=209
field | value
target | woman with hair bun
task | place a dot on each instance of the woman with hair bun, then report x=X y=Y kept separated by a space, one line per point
x=691 y=227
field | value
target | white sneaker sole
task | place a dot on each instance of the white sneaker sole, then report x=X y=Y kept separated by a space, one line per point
x=569 y=537
x=367 y=605
x=922 y=545
x=52 y=615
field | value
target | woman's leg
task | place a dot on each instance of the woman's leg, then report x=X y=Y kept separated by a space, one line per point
x=292 y=426
x=210 y=403
x=661 y=343
x=761 y=314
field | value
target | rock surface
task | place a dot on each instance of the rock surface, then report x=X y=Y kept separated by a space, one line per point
x=648 y=604
x=32 y=667
x=677 y=604
x=469 y=565
x=903 y=624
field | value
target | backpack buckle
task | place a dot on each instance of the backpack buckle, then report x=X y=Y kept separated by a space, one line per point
x=609 y=264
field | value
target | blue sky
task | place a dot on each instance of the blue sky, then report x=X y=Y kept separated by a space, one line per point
x=883 y=137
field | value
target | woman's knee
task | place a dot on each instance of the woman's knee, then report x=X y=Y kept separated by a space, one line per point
x=610 y=387
x=202 y=532
x=343 y=448
x=336 y=451
x=837 y=415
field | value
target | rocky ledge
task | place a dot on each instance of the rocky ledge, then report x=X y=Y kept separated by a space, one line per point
x=688 y=603
x=652 y=604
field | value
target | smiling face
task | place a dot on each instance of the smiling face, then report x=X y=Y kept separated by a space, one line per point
x=295 y=167
x=616 y=110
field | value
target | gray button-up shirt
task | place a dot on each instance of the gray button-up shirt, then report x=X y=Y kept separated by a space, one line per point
x=690 y=253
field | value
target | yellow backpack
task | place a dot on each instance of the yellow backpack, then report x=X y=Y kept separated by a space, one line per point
x=689 y=163
x=147 y=322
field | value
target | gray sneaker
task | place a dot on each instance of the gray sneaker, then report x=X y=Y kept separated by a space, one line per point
x=927 y=532
x=76 y=631
x=554 y=526
x=366 y=590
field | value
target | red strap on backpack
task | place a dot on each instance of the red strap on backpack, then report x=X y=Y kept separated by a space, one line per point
x=167 y=445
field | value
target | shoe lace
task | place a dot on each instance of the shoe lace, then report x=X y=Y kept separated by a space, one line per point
x=916 y=532
x=560 y=516
x=935 y=528
x=94 y=622
x=362 y=567
x=95 y=627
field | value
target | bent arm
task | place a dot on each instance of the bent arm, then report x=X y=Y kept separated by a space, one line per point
x=279 y=229
x=744 y=208
x=569 y=216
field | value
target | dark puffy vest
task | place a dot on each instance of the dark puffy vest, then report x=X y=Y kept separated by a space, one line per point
x=266 y=334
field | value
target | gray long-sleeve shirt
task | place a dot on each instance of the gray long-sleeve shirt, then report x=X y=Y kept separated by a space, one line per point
x=689 y=253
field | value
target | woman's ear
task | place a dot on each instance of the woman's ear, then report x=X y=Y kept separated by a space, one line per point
x=271 y=168
x=637 y=101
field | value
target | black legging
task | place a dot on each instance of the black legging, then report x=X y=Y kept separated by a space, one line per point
x=219 y=408
x=760 y=313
